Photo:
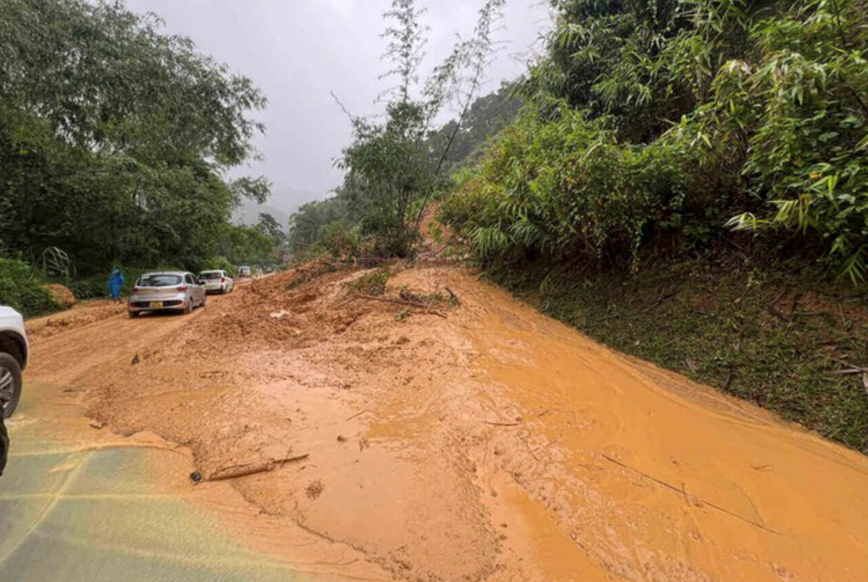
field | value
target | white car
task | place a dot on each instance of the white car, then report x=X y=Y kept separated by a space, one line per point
x=14 y=351
x=217 y=282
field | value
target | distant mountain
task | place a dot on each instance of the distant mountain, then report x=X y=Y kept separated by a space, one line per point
x=281 y=205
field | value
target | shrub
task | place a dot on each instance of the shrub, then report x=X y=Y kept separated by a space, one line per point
x=566 y=187
x=22 y=289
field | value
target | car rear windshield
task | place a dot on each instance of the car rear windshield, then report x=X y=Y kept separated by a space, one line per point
x=211 y=275
x=160 y=281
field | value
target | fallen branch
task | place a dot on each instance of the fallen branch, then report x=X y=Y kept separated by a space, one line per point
x=849 y=369
x=238 y=471
x=848 y=372
x=729 y=378
x=355 y=416
x=773 y=308
x=507 y=424
x=404 y=302
x=682 y=491
x=664 y=295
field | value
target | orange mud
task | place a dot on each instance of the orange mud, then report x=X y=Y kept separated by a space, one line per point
x=477 y=442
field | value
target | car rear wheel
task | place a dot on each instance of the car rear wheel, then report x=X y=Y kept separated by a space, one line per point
x=133 y=314
x=188 y=308
x=10 y=384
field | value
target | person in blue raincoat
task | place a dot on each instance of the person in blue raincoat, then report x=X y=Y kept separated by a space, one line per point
x=115 y=284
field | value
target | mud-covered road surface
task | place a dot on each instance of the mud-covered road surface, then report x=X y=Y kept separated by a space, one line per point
x=454 y=434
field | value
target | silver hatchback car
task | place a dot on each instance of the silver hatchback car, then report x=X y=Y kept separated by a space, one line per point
x=167 y=291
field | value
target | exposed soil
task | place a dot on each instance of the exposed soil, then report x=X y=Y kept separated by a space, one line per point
x=62 y=295
x=467 y=439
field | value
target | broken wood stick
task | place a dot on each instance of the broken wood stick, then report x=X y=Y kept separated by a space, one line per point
x=404 y=302
x=357 y=415
x=664 y=295
x=507 y=424
x=238 y=471
x=682 y=491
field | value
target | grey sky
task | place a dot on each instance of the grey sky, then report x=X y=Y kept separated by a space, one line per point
x=298 y=51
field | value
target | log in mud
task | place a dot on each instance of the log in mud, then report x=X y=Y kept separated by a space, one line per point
x=490 y=444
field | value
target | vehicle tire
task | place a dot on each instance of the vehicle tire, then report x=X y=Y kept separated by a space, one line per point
x=133 y=314
x=10 y=384
x=188 y=308
x=4 y=446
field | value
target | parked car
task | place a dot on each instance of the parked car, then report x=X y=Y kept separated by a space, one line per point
x=245 y=272
x=217 y=282
x=166 y=291
x=14 y=352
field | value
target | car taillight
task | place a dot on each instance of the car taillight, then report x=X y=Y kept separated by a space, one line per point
x=182 y=288
x=136 y=289
x=223 y=279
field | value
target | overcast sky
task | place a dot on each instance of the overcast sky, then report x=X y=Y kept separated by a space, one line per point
x=298 y=51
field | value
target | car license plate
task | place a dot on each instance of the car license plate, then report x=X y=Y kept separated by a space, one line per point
x=156 y=304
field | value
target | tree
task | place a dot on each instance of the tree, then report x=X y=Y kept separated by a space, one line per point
x=389 y=171
x=115 y=138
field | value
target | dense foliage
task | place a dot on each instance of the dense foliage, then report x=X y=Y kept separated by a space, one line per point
x=667 y=123
x=22 y=289
x=115 y=138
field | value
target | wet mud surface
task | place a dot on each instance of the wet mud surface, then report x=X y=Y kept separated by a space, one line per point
x=467 y=439
x=81 y=504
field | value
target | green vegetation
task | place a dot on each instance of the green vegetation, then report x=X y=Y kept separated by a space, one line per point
x=372 y=284
x=23 y=289
x=116 y=141
x=664 y=125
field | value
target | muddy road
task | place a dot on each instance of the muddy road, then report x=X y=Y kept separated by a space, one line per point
x=454 y=434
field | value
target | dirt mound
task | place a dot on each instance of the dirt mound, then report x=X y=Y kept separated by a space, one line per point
x=62 y=295
x=309 y=306
x=81 y=315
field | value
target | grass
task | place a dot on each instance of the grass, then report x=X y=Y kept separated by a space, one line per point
x=372 y=284
x=771 y=334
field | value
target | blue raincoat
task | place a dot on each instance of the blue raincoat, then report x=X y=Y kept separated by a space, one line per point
x=115 y=284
